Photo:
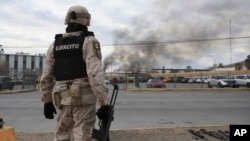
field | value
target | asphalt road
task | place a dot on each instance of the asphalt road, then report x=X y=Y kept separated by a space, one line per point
x=140 y=109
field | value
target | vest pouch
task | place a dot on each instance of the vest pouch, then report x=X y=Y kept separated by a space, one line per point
x=76 y=91
x=57 y=100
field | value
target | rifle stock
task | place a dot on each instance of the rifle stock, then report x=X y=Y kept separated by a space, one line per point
x=103 y=133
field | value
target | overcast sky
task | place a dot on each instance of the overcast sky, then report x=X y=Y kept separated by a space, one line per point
x=29 y=26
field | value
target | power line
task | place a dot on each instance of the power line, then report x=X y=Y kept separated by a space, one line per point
x=175 y=41
x=154 y=42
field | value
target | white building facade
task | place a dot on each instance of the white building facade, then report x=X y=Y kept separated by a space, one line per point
x=16 y=65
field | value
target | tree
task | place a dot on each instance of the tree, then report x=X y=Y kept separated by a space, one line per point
x=247 y=62
x=220 y=65
x=163 y=70
x=238 y=66
x=4 y=68
x=189 y=69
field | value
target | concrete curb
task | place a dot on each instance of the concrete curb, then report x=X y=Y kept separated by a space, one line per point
x=150 y=89
x=140 y=134
x=171 y=130
x=16 y=91
x=188 y=89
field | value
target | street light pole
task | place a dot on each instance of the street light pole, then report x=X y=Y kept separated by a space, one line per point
x=0 y=52
x=111 y=65
x=154 y=65
x=230 y=41
x=214 y=58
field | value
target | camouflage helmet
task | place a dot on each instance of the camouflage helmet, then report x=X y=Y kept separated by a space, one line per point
x=78 y=14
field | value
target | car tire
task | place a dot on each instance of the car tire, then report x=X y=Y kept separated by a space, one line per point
x=209 y=85
x=220 y=85
x=11 y=88
x=248 y=85
x=236 y=86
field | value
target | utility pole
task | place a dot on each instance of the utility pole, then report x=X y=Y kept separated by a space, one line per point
x=1 y=52
x=1 y=49
x=214 y=58
x=230 y=41
x=111 y=65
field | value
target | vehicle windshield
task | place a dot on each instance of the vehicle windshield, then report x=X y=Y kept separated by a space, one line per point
x=222 y=77
x=248 y=76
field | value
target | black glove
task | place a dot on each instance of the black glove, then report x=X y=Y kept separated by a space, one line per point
x=49 y=110
x=103 y=112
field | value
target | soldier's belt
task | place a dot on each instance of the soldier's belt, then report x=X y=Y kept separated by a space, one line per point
x=68 y=92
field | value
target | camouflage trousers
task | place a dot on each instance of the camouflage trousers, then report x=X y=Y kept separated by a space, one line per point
x=75 y=123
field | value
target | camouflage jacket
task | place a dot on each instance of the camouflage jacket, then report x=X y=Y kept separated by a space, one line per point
x=94 y=81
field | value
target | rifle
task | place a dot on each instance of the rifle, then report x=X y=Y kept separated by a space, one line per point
x=103 y=133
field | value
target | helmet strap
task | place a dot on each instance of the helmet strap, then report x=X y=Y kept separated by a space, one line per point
x=73 y=27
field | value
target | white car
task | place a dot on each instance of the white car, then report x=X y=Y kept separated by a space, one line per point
x=243 y=80
x=106 y=81
x=221 y=81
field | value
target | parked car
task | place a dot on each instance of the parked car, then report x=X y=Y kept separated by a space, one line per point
x=178 y=79
x=205 y=80
x=114 y=81
x=143 y=79
x=221 y=81
x=29 y=80
x=198 y=80
x=184 y=80
x=243 y=80
x=106 y=81
x=192 y=79
x=6 y=83
x=201 y=79
x=18 y=81
x=165 y=80
x=155 y=83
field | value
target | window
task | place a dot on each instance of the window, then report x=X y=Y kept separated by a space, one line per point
x=40 y=64
x=15 y=63
x=32 y=62
x=24 y=62
x=240 y=77
x=7 y=58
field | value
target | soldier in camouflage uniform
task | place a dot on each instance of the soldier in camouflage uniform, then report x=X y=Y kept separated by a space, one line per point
x=73 y=79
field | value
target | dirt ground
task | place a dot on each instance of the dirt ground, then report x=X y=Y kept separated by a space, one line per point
x=152 y=134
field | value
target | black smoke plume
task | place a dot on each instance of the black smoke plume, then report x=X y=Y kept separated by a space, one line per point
x=169 y=21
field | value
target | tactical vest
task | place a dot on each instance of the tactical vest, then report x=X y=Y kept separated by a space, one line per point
x=69 y=63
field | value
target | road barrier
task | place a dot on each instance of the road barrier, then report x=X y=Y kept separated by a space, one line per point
x=6 y=132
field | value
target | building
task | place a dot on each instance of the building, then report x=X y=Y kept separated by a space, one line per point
x=20 y=64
